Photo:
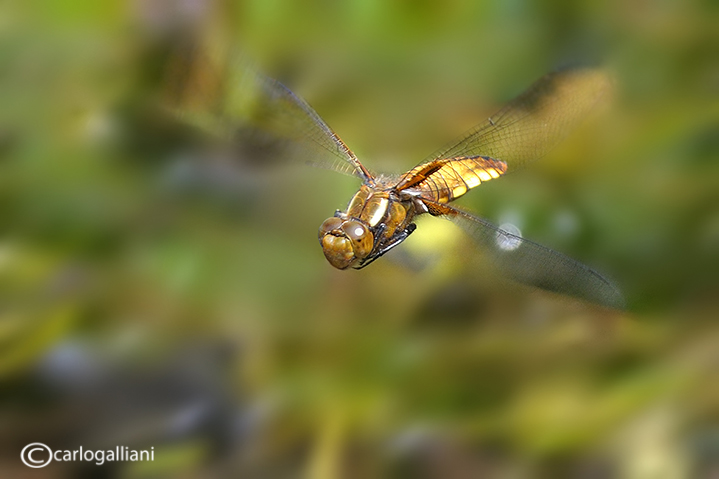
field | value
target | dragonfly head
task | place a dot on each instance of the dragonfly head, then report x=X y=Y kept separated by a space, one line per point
x=345 y=241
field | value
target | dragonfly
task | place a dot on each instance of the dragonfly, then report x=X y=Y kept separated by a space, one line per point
x=382 y=214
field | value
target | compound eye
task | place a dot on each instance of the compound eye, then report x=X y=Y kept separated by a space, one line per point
x=338 y=251
x=361 y=237
x=328 y=225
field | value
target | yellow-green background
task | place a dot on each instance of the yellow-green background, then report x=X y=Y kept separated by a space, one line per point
x=130 y=266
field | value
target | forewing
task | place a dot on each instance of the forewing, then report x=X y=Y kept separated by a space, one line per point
x=223 y=95
x=447 y=179
x=533 y=123
x=530 y=263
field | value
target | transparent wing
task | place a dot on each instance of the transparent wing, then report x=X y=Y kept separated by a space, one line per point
x=530 y=263
x=533 y=123
x=224 y=96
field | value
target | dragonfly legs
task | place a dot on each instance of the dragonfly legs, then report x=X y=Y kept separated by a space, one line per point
x=384 y=248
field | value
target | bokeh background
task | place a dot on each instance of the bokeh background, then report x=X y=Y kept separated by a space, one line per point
x=163 y=287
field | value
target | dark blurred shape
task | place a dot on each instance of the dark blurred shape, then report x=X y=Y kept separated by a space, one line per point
x=704 y=448
x=456 y=305
x=92 y=400
x=8 y=140
x=427 y=455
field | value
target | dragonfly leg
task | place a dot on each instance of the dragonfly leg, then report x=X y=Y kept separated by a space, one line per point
x=395 y=240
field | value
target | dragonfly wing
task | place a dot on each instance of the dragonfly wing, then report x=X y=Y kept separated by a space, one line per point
x=530 y=263
x=223 y=96
x=529 y=126
x=281 y=110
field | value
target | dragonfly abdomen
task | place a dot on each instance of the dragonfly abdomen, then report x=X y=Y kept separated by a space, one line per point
x=447 y=179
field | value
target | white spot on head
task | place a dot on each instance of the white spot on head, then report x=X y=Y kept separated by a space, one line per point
x=509 y=238
x=359 y=231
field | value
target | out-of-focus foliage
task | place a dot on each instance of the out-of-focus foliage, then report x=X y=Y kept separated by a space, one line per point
x=161 y=286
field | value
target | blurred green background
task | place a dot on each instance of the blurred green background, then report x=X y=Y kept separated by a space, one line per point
x=161 y=290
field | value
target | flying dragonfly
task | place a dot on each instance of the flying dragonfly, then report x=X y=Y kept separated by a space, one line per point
x=381 y=215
